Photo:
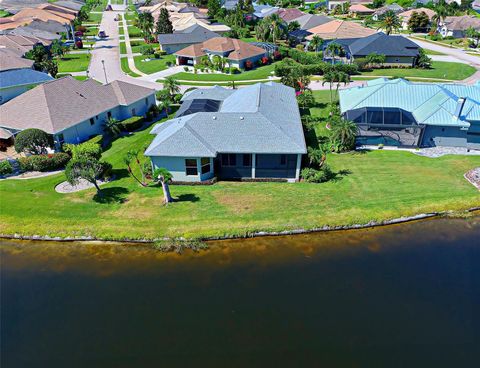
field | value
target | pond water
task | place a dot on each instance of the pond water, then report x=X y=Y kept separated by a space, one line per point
x=398 y=296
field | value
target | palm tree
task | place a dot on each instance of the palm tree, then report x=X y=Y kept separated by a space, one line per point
x=146 y=23
x=341 y=77
x=343 y=134
x=262 y=31
x=163 y=176
x=329 y=77
x=316 y=42
x=276 y=26
x=127 y=159
x=390 y=22
x=334 y=49
x=441 y=12
x=163 y=96
x=113 y=127
x=171 y=84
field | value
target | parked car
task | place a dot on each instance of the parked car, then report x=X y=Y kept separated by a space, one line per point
x=102 y=34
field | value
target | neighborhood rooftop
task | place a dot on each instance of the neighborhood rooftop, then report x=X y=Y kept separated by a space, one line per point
x=261 y=118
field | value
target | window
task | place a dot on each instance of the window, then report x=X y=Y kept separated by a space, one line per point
x=92 y=121
x=205 y=161
x=146 y=101
x=247 y=159
x=133 y=112
x=109 y=114
x=283 y=160
x=191 y=166
x=229 y=159
x=96 y=117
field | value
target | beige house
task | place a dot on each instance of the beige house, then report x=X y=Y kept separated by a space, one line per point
x=338 y=29
x=406 y=15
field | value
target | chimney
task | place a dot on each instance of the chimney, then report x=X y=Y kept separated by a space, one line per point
x=459 y=108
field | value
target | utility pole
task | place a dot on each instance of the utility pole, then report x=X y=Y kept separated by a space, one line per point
x=104 y=72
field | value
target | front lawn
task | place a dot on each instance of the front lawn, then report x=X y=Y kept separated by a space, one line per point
x=440 y=70
x=123 y=48
x=94 y=18
x=73 y=63
x=154 y=65
x=262 y=72
x=126 y=69
x=134 y=32
x=375 y=185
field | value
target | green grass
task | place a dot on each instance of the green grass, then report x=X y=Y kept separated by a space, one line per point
x=94 y=18
x=154 y=65
x=137 y=46
x=4 y=13
x=73 y=63
x=379 y=185
x=121 y=31
x=91 y=31
x=440 y=69
x=134 y=32
x=433 y=52
x=130 y=16
x=262 y=72
x=123 y=48
x=78 y=77
x=126 y=69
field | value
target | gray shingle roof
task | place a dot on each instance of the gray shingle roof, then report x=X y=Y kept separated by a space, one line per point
x=65 y=102
x=193 y=34
x=10 y=60
x=261 y=118
x=381 y=43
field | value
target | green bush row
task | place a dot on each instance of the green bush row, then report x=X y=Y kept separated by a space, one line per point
x=132 y=123
x=50 y=162
x=5 y=167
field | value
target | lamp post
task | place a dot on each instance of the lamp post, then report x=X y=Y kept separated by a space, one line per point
x=104 y=72
x=88 y=71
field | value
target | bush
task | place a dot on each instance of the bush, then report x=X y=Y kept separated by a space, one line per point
x=33 y=141
x=234 y=70
x=132 y=123
x=147 y=50
x=83 y=149
x=186 y=68
x=153 y=112
x=5 y=168
x=317 y=176
x=50 y=162
x=97 y=139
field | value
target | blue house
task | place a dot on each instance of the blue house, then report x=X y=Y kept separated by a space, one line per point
x=251 y=133
x=401 y=113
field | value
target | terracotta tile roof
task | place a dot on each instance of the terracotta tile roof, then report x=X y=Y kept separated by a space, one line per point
x=340 y=29
x=236 y=49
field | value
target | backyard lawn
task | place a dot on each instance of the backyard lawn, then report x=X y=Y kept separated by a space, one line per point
x=375 y=185
x=154 y=65
x=73 y=63
x=262 y=72
x=440 y=70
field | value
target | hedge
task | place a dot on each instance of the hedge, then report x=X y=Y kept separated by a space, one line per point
x=48 y=162
x=97 y=139
x=132 y=123
x=5 y=167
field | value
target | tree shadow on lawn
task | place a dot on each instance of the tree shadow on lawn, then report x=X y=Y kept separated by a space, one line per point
x=189 y=197
x=111 y=195
x=337 y=176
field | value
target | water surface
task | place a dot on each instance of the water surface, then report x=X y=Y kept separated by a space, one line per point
x=398 y=296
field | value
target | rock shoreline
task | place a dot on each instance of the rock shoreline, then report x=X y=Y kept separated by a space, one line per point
x=325 y=228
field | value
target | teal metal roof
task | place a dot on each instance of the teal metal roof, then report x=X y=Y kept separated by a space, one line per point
x=430 y=103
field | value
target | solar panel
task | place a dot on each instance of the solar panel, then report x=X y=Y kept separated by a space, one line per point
x=198 y=105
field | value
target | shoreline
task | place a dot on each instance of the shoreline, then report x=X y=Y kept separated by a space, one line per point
x=257 y=234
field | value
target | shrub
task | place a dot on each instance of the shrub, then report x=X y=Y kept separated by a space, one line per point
x=83 y=149
x=98 y=139
x=234 y=70
x=169 y=64
x=132 y=123
x=5 y=168
x=147 y=50
x=153 y=112
x=186 y=68
x=79 y=44
x=317 y=176
x=48 y=162
x=33 y=141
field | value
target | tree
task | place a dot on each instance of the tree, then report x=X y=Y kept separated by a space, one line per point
x=305 y=99
x=378 y=3
x=441 y=12
x=341 y=77
x=163 y=176
x=329 y=77
x=163 y=96
x=293 y=26
x=32 y=141
x=214 y=7
x=164 y=24
x=374 y=59
x=87 y=168
x=418 y=22
x=473 y=34
x=276 y=26
x=343 y=133
x=333 y=49
x=172 y=85
x=113 y=127
x=423 y=61
x=145 y=23
x=50 y=66
x=390 y=22
x=57 y=49
x=316 y=157
x=316 y=42
x=130 y=156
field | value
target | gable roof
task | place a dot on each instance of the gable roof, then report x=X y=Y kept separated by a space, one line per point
x=308 y=21
x=235 y=49
x=74 y=5
x=261 y=118
x=62 y=103
x=22 y=77
x=193 y=34
x=10 y=60
x=462 y=23
x=381 y=43
x=393 y=7
x=290 y=14
x=407 y=14
x=360 y=8
x=429 y=103
x=17 y=43
x=340 y=29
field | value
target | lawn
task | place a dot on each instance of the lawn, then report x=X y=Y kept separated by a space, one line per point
x=154 y=65
x=94 y=18
x=262 y=72
x=123 y=48
x=73 y=63
x=377 y=185
x=433 y=52
x=130 y=16
x=440 y=70
x=120 y=31
x=137 y=46
x=134 y=32
x=126 y=69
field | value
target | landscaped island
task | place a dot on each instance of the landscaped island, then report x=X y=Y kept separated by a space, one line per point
x=376 y=185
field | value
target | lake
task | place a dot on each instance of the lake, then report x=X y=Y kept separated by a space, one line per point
x=395 y=296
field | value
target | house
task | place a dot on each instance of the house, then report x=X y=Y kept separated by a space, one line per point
x=338 y=29
x=398 y=50
x=263 y=11
x=178 y=40
x=360 y=10
x=70 y=4
x=28 y=15
x=456 y=26
x=308 y=21
x=406 y=15
x=290 y=14
x=235 y=51
x=17 y=75
x=20 y=44
x=397 y=9
x=254 y=132
x=401 y=113
x=298 y=36
x=72 y=111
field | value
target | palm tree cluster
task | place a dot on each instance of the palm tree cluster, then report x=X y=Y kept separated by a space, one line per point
x=145 y=23
x=271 y=28
x=390 y=22
x=337 y=77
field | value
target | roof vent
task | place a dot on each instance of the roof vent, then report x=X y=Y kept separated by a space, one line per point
x=214 y=117
x=241 y=117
